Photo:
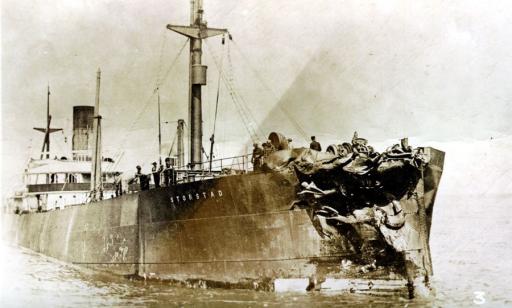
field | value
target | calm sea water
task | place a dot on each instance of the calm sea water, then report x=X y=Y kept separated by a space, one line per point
x=471 y=249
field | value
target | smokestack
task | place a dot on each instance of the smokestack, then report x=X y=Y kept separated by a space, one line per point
x=82 y=127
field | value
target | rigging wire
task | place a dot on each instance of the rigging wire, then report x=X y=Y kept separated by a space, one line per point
x=241 y=99
x=218 y=92
x=145 y=106
x=216 y=62
x=244 y=112
x=294 y=122
x=161 y=56
x=212 y=138
x=172 y=64
x=172 y=146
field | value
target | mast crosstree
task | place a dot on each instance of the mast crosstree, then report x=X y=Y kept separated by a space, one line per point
x=47 y=131
x=196 y=32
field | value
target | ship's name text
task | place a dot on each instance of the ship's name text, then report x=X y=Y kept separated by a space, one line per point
x=195 y=196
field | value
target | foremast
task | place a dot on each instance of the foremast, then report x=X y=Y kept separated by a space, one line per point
x=196 y=32
x=47 y=131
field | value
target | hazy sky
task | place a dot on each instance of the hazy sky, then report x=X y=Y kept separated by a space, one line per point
x=438 y=70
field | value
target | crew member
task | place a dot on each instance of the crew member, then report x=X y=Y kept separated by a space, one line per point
x=156 y=174
x=138 y=174
x=118 y=184
x=168 y=173
x=315 y=145
x=257 y=157
x=141 y=179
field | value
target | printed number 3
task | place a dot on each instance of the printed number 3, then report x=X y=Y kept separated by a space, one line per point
x=479 y=297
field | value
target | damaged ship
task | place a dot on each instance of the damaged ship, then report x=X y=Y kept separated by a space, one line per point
x=350 y=218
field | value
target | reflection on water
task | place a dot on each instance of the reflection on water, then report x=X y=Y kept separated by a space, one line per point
x=470 y=248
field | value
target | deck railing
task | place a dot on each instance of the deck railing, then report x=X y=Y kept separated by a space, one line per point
x=239 y=163
x=219 y=167
x=60 y=187
x=77 y=155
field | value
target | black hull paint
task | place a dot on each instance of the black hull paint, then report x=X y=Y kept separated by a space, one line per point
x=234 y=230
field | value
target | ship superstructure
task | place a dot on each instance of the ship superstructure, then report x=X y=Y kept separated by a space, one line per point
x=53 y=180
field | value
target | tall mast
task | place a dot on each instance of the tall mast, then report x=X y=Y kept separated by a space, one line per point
x=196 y=32
x=48 y=120
x=159 y=129
x=47 y=130
x=96 y=178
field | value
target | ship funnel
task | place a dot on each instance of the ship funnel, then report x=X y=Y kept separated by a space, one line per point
x=82 y=128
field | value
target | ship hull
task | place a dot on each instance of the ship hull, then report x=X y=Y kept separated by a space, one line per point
x=230 y=231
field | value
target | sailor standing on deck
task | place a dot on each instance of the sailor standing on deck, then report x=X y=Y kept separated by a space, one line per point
x=315 y=145
x=257 y=157
x=118 y=184
x=141 y=179
x=168 y=173
x=156 y=174
x=138 y=175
